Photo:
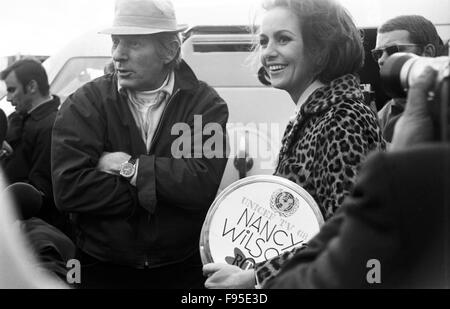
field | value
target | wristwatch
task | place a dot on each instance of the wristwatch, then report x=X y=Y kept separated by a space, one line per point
x=128 y=169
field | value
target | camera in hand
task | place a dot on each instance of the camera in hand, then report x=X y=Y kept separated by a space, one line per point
x=402 y=69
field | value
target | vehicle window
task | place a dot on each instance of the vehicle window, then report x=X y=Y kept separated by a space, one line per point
x=211 y=48
x=76 y=72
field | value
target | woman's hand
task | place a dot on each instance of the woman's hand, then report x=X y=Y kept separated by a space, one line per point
x=225 y=276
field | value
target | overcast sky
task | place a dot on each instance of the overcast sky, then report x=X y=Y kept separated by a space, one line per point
x=41 y=27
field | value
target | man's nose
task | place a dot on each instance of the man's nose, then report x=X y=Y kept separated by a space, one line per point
x=120 y=53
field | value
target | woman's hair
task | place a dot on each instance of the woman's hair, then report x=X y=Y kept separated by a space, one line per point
x=332 y=41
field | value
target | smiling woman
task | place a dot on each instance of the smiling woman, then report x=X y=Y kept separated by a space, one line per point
x=283 y=52
x=312 y=50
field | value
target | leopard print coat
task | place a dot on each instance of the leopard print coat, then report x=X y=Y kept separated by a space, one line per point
x=323 y=148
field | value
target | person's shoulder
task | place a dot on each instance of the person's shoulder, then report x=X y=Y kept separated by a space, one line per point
x=418 y=176
x=99 y=86
x=351 y=110
x=428 y=159
x=44 y=123
x=426 y=153
x=204 y=87
x=206 y=95
x=93 y=92
x=358 y=120
x=354 y=104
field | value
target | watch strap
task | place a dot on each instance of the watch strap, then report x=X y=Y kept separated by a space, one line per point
x=133 y=160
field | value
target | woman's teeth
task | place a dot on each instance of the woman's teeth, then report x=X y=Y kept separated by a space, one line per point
x=276 y=68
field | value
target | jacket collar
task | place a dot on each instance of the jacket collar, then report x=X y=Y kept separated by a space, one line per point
x=341 y=89
x=185 y=80
x=44 y=109
x=344 y=88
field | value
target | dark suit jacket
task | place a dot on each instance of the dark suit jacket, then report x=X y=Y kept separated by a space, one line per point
x=398 y=214
x=30 y=136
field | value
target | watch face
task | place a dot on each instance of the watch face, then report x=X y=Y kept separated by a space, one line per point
x=127 y=170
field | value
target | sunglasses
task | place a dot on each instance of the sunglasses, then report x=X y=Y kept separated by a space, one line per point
x=390 y=50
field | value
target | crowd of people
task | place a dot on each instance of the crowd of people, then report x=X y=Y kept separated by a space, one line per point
x=113 y=195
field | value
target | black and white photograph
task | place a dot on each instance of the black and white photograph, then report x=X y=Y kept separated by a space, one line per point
x=224 y=148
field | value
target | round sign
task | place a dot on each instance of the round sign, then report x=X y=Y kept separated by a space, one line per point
x=258 y=218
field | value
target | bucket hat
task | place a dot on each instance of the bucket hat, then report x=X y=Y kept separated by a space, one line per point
x=135 y=17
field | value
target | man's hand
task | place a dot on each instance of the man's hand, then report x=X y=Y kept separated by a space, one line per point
x=111 y=162
x=6 y=150
x=224 y=276
x=415 y=126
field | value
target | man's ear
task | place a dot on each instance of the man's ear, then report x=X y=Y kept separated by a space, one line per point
x=429 y=51
x=172 y=52
x=32 y=87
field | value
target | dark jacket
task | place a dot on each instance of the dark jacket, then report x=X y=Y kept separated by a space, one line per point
x=52 y=248
x=324 y=148
x=157 y=222
x=389 y=115
x=397 y=214
x=30 y=137
x=326 y=144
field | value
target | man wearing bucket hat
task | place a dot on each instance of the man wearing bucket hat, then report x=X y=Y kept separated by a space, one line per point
x=136 y=205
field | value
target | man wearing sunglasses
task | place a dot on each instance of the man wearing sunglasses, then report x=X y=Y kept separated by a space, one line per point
x=410 y=34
